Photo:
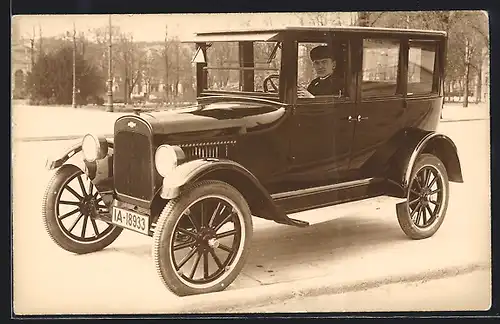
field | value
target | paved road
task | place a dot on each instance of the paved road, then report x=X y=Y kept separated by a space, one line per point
x=361 y=243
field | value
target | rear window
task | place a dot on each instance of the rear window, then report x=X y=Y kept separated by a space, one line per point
x=421 y=66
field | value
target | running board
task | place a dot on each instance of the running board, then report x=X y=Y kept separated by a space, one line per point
x=293 y=222
x=323 y=196
x=366 y=206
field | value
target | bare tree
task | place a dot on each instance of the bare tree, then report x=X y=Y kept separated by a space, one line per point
x=319 y=19
x=131 y=60
x=467 y=35
x=127 y=58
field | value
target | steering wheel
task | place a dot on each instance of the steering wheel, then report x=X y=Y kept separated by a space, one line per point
x=269 y=79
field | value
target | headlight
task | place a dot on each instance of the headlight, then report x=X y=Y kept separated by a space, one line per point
x=167 y=158
x=94 y=148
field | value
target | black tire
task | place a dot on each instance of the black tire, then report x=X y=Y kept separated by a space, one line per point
x=420 y=200
x=182 y=215
x=55 y=222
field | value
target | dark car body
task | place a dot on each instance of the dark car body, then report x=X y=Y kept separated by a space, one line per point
x=287 y=154
x=289 y=144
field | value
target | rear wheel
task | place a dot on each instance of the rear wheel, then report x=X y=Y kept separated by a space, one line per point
x=70 y=205
x=201 y=239
x=427 y=200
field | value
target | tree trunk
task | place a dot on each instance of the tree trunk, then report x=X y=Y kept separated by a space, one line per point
x=479 y=80
x=32 y=54
x=40 y=42
x=467 y=72
x=466 y=85
x=125 y=85
x=177 y=77
x=166 y=85
x=131 y=82
x=83 y=47
x=139 y=82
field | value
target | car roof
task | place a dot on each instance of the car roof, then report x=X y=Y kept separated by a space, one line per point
x=270 y=34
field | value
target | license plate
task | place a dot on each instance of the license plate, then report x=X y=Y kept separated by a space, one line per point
x=128 y=219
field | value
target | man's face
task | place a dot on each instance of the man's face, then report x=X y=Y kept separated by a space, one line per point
x=324 y=66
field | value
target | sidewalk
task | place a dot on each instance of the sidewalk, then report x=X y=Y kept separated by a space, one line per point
x=455 y=112
x=45 y=123
x=32 y=123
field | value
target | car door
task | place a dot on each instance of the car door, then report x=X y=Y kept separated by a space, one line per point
x=381 y=104
x=322 y=134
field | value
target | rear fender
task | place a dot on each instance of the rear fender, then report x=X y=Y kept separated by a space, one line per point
x=443 y=148
x=401 y=164
x=100 y=171
x=260 y=202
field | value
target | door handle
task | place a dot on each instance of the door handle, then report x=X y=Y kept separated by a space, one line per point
x=358 y=118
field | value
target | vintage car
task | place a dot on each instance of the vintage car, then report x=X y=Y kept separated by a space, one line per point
x=253 y=145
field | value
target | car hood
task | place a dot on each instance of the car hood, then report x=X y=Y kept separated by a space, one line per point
x=246 y=116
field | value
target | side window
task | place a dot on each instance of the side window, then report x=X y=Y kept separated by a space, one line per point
x=421 y=65
x=321 y=68
x=267 y=60
x=222 y=66
x=380 y=67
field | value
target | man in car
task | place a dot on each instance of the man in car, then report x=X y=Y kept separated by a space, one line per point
x=325 y=83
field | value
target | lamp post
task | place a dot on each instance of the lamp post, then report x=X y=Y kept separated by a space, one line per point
x=74 y=67
x=110 y=71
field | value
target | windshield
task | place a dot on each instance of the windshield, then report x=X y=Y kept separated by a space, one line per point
x=258 y=72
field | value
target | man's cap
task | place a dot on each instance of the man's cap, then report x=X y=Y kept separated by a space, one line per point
x=320 y=52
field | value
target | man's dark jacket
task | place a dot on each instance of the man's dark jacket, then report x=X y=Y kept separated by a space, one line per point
x=328 y=86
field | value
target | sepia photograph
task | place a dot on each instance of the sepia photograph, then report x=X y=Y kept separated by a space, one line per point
x=251 y=163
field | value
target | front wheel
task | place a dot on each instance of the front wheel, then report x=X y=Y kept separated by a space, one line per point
x=427 y=201
x=70 y=205
x=201 y=238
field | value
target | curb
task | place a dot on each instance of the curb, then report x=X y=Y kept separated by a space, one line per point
x=461 y=120
x=55 y=138
x=237 y=301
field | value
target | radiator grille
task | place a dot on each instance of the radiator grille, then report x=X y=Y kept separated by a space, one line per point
x=133 y=162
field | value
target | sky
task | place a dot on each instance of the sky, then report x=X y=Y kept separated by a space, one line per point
x=149 y=27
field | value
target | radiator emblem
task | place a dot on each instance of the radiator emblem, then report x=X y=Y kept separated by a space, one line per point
x=131 y=124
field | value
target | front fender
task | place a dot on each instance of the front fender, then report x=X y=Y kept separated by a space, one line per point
x=60 y=159
x=260 y=202
x=197 y=169
x=100 y=171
